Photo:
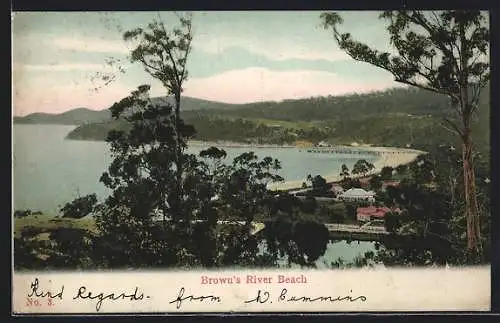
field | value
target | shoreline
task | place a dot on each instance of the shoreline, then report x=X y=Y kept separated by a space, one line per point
x=388 y=156
x=233 y=144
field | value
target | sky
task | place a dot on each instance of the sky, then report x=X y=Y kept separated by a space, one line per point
x=237 y=57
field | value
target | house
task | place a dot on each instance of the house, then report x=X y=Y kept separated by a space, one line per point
x=365 y=214
x=357 y=194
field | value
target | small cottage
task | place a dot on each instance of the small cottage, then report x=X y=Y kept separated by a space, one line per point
x=357 y=194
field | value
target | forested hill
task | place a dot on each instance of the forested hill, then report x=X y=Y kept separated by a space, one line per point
x=397 y=100
x=351 y=106
x=72 y=117
x=395 y=117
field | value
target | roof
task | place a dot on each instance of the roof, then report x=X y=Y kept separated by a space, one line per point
x=374 y=211
x=357 y=192
x=337 y=188
x=391 y=182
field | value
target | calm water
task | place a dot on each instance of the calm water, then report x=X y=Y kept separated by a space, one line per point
x=50 y=171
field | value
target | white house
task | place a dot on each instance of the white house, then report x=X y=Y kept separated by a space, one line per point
x=358 y=194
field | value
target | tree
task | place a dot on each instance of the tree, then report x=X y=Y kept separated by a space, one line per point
x=309 y=205
x=164 y=55
x=320 y=187
x=301 y=238
x=444 y=52
x=401 y=169
x=344 y=172
x=220 y=201
x=362 y=167
x=376 y=182
x=386 y=173
x=144 y=188
x=80 y=207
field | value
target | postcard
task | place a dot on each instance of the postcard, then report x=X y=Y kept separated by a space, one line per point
x=251 y=161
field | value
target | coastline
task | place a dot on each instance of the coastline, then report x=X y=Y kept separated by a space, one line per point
x=233 y=144
x=388 y=156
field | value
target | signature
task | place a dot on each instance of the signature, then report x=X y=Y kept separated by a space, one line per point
x=265 y=297
x=181 y=298
x=36 y=292
x=84 y=294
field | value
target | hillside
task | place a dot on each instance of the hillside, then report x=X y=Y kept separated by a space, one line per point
x=396 y=117
x=392 y=101
x=396 y=100
x=72 y=117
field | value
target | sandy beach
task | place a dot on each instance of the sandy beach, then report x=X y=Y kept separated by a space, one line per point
x=388 y=156
x=230 y=144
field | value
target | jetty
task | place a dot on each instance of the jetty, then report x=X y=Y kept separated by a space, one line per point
x=365 y=232
x=356 y=232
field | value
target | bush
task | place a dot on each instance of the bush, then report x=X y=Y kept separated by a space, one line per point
x=338 y=213
x=392 y=221
x=79 y=207
x=309 y=205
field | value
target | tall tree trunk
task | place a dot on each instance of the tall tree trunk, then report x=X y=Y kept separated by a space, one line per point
x=471 y=206
x=177 y=209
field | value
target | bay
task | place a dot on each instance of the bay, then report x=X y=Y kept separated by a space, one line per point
x=49 y=170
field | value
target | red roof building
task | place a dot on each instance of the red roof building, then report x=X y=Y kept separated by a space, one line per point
x=373 y=212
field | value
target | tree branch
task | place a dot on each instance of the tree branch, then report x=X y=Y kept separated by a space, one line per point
x=420 y=20
x=454 y=128
x=169 y=53
x=188 y=49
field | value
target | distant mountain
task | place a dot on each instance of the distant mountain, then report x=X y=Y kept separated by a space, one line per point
x=81 y=116
x=72 y=117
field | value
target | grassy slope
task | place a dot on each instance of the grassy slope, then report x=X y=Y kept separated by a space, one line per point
x=46 y=223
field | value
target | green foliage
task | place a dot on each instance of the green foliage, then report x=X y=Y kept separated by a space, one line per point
x=425 y=55
x=79 y=207
x=163 y=53
x=445 y=52
x=211 y=227
x=298 y=238
x=362 y=167
x=386 y=173
x=320 y=187
x=73 y=249
x=392 y=221
x=333 y=213
x=401 y=169
x=431 y=229
x=376 y=182
x=25 y=213
x=348 y=183
x=351 y=208
x=344 y=172
x=309 y=205
x=392 y=118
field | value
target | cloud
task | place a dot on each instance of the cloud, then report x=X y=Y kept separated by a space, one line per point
x=260 y=84
x=38 y=93
x=56 y=97
x=59 y=67
x=88 y=44
x=279 y=51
